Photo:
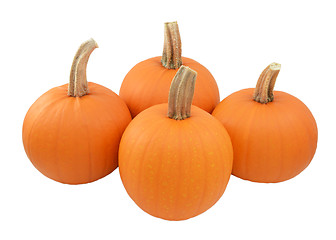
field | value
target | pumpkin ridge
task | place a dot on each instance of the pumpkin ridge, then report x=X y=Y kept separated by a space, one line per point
x=140 y=89
x=132 y=149
x=190 y=128
x=84 y=121
x=224 y=163
x=148 y=145
x=152 y=126
x=35 y=120
x=312 y=122
x=101 y=103
x=291 y=119
x=56 y=145
x=204 y=188
x=44 y=114
x=248 y=135
x=190 y=151
x=159 y=169
x=295 y=135
x=153 y=86
x=235 y=124
x=275 y=120
x=299 y=134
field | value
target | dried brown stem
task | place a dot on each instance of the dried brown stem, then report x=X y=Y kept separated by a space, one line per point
x=181 y=93
x=172 y=53
x=263 y=92
x=78 y=85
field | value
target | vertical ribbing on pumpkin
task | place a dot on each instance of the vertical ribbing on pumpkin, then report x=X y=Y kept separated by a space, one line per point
x=181 y=93
x=263 y=92
x=172 y=53
x=78 y=85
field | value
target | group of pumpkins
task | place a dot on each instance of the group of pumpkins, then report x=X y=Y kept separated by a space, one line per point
x=175 y=159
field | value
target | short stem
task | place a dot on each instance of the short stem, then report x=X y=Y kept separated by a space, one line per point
x=78 y=85
x=172 y=53
x=263 y=92
x=181 y=93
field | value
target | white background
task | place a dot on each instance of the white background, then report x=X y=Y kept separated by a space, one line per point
x=235 y=40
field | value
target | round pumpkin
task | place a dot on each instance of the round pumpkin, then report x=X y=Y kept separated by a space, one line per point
x=72 y=133
x=274 y=135
x=148 y=82
x=176 y=165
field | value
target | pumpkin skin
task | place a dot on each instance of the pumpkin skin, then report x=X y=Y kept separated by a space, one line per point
x=174 y=169
x=272 y=142
x=148 y=83
x=75 y=140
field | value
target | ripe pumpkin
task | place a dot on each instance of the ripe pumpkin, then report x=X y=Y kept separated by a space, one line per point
x=72 y=133
x=274 y=135
x=148 y=82
x=177 y=166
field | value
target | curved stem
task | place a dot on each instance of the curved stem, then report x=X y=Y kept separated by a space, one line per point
x=181 y=93
x=172 y=53
x=78 y=85
x=263 y=92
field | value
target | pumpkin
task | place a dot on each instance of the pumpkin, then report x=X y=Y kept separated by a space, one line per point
x=177 y=165
x=72 y=133
x=274 y=135
x=148 y=82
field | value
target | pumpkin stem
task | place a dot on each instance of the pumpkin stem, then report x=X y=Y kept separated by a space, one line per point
x=78 y=85
x=181 y=93
x=172 y=53
x=263 y=92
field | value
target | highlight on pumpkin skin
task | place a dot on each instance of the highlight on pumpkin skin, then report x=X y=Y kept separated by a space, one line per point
x=181 y=93
x=78 y=85
x=263 y=92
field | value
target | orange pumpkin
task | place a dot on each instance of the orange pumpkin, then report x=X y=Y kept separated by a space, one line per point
x=274 y=135
x=148 y=82
x=72 y=133
x=177 y=166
